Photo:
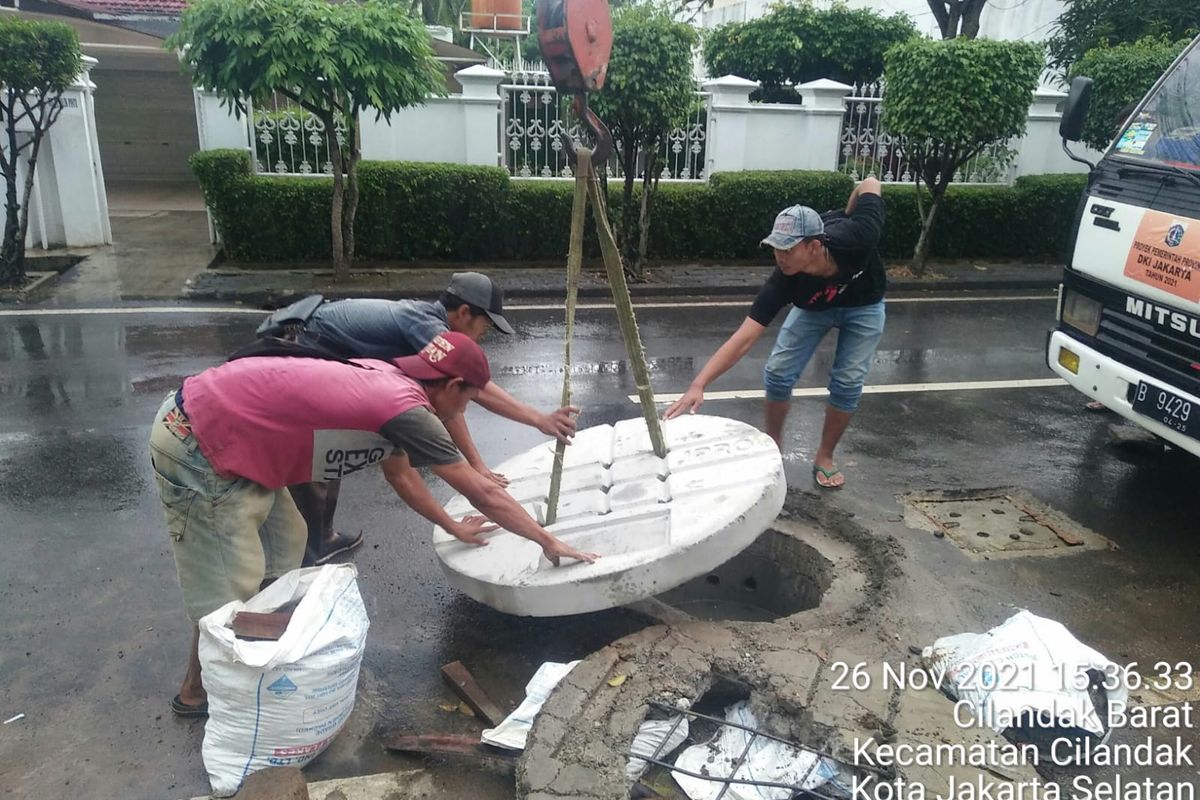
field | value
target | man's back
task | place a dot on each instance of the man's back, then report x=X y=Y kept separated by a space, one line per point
x=281 y=421
x=372 y=328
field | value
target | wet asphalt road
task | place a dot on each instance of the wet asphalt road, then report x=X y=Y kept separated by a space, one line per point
x=93 y=638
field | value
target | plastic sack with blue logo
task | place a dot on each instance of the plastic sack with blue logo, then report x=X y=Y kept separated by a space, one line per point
x=280 y=703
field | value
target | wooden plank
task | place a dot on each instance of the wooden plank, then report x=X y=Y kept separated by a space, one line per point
x=253 y=625
x=463 y=683
x=435 y=744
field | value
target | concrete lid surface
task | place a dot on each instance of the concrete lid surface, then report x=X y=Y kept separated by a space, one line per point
x=655 y=522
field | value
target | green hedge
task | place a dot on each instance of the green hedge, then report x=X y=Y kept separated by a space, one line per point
x=443 y=212
x=1031 y=219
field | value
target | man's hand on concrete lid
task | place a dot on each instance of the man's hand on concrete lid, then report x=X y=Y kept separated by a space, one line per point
x=557 y=549
x=560 y=424
x=494 y=477
x=690 y=401
x=470 y=527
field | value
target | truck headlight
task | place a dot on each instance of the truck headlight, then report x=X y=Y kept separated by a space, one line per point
x=1081 y=312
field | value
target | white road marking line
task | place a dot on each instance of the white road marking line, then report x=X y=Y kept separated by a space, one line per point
x=88 y=312
x=887 y=388
x=746 y=303
x=134 y=310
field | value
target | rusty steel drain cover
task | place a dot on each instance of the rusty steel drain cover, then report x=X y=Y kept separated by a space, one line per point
x=993 y=523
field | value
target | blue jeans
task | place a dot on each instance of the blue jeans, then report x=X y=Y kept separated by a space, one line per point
x=859 y=330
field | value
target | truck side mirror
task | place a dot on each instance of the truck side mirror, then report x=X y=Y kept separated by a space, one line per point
x=1070 y=128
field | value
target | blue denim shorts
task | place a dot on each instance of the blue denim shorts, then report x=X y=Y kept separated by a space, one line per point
x=859 y=331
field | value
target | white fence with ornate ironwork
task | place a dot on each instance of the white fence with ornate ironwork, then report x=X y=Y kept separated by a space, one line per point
x=290 y=140
x=868 y=150
x=539 y=130
x=516 y=120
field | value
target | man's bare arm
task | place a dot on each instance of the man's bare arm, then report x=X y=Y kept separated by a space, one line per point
x=499 y=506
x=411 y=488
x=559 y=423
x=726 y=356
x=461 y=436
x=866 y=186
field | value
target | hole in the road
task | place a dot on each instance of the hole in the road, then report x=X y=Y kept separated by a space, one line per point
x=718 y=731
x=775 y=577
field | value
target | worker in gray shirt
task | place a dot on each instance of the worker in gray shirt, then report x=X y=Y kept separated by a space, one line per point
x=387 y=329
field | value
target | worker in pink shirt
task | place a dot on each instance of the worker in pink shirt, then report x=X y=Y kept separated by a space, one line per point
x=229 y=442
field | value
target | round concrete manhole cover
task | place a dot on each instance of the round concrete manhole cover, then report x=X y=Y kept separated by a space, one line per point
x=656 y=523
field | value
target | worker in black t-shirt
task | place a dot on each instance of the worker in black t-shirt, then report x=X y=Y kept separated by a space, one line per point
x=828 y=268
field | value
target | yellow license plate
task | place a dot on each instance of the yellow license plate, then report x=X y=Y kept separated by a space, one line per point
x=1069 y=360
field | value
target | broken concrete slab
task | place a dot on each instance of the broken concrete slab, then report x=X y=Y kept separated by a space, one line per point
x=656 y=525
x=785 y=666
x=275 y=783
x=926 y=717
x=407 y=784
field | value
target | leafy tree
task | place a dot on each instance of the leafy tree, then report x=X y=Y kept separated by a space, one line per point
x=951 y=99
x=38 y=61
x=1122 y=75
x=957 y=18
x=648 y=92
x=795 y=44
x=1087 y=24
x=333 y=59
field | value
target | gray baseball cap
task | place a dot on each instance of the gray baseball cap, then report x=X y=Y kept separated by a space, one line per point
x=478 y=290
x=793 y=224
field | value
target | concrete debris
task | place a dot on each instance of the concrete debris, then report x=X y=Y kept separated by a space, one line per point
x=275 y=783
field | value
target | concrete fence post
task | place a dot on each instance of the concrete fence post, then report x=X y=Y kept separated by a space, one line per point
x=69 y=204
x=824 y=105
x=481 y=114
x=1039 y=151
x=728 y=121
x=219 y=126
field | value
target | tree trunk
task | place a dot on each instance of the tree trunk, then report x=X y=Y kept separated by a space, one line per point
x=12 y=251
x=637 y=270
x=972 y=10
x=957 y=18
x=341 y=269
x=626 y=236
x=953 y=19
x=352 y=190
x=23 y=226
x=921 y=251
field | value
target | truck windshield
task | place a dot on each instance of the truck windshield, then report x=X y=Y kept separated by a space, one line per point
x=1167 y=129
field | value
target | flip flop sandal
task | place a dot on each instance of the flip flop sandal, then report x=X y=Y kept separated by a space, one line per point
x=828 y=473
x=182 y=709
x=343 y=544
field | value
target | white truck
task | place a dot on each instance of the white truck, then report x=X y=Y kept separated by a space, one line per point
x=1128 y=332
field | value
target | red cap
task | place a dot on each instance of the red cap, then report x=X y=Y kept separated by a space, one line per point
x=448 y=355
